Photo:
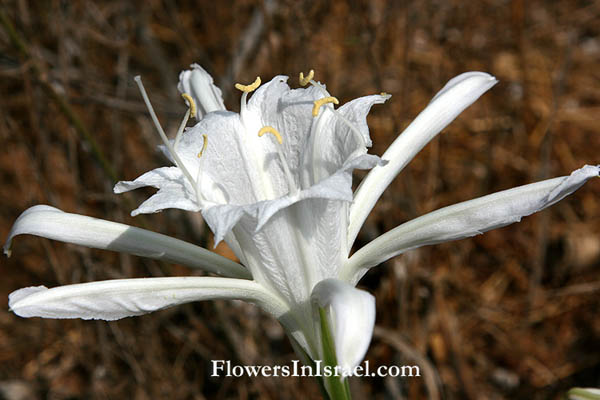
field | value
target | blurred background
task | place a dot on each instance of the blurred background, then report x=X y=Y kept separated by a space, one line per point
x=509 y=314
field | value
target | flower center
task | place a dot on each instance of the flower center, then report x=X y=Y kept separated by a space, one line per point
x=292 y=188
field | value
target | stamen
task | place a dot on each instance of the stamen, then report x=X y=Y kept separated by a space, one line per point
x=304 y=81
x=199 y=172
x=319 y=103
x=271 y=130
x=286 y=169
x=181 y=128
x=319 y=86
x=192 y=110
x=191 y=103
x=350 y=125
x=204 y=144
x=199 y=182
x=248 y=88
x=161 y=132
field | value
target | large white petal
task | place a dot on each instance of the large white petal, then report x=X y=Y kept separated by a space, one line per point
x=288 y=243
x=292 y=242
x=352 y=318
x=221 y=218
x=52 y=223
x=459 y=93
x=120 y=298
x=466 y=219
x=199 y=84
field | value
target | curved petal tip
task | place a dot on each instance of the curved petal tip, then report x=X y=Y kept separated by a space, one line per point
x=352 y=317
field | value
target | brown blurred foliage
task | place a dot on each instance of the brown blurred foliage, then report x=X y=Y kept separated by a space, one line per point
x=509 y=314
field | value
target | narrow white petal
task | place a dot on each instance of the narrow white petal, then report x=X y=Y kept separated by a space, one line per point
x=174 y=191
x=352 y=318
x=466 y=219
x=155 y=178
x=52 y=223
x=120 y=298
x=199 y=84
x=459 y=93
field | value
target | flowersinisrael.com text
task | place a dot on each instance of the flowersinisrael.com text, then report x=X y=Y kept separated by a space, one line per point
x=225 y=368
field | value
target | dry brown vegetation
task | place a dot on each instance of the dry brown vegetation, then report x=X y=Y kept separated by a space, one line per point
x=509 y=314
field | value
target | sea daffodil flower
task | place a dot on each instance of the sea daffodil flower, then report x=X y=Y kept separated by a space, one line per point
x=275 y=183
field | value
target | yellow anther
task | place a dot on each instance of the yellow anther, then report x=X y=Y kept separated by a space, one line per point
x=270 y=129
x=204 y=144
x=383 y=94
x=321 y=102
x=249 y=88
x=304 y=81
x=191 y=103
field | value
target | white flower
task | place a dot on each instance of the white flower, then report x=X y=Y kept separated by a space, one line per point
x=284 y=203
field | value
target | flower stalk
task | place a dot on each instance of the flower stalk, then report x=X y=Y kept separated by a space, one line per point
x=337 y=386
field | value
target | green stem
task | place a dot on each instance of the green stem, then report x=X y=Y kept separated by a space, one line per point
x=337 y=386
